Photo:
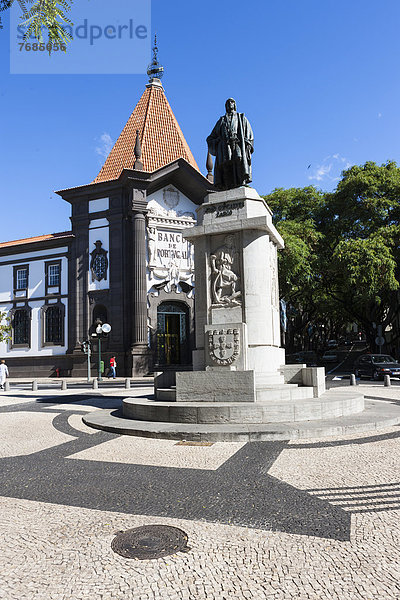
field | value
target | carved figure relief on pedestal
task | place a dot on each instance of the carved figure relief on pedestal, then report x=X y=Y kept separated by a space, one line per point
x=224 y=346
x=224 y=281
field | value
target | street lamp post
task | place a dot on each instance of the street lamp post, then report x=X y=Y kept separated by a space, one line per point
x=99 y=332
x=102 y=329
x=87 y=349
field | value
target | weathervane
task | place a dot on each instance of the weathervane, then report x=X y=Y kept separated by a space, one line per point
x=155 y=70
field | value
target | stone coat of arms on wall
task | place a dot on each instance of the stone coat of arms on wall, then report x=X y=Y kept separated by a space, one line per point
x=98 y=262
x=224 y=345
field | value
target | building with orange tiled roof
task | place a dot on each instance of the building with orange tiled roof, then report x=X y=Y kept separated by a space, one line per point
x=160 y=137
x=125 y=261
x=37 y=239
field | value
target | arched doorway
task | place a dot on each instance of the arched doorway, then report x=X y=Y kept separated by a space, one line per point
x=172 y=346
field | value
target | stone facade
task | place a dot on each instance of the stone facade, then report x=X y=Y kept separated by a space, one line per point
x=125 y=261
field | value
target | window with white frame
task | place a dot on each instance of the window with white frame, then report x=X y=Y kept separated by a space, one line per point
x=54 y=275
x=21 y=278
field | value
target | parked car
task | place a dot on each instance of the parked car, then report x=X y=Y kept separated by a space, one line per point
x=307 y=357
x=330 y=356
x=332 y=344
x=375 y=366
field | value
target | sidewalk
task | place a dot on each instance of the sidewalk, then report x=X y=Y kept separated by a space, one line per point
x=313 y=519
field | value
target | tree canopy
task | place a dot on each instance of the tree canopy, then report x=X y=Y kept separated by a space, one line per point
x=43 y=15
x=342 y=255
x=5 y=328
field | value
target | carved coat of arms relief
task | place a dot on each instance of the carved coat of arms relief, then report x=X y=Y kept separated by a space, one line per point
x=224 y=345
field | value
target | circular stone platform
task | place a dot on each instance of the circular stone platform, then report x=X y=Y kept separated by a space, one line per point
x=327 y=406
x=376 y=415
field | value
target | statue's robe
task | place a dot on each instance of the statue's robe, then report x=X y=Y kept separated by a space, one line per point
x=232 y=143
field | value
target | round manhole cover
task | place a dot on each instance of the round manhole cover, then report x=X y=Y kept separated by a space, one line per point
x=150 y=541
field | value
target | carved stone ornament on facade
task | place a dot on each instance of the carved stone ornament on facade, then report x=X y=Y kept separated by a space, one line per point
x=138 y=198
x=152 y=245
x=159 y=211
x=224 y=281
x=171 y=197
x=98 y=297
x=98 y=262
x=224 y=346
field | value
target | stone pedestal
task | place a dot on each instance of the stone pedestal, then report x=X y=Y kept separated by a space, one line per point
x=237 y=296
x=240 y=388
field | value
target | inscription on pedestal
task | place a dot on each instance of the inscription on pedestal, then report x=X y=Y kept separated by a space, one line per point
x=225 y=209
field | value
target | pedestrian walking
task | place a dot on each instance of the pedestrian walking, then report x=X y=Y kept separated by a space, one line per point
x=113 y=368
x=3 y=373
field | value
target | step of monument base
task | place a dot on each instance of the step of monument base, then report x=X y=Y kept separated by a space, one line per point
x=270 y=378
x=283 y=392
x=167 y=394
x=329 y=405
x=376 y=415
x=264 y=393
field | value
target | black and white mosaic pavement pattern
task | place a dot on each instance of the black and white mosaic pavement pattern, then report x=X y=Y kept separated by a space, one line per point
x=279 y=500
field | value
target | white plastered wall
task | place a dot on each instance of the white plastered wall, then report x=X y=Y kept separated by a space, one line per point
x=36 y=282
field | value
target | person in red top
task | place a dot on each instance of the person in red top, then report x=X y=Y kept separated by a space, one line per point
x=113 y=367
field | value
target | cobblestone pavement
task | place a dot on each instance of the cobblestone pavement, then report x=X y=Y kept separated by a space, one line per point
x=316 y=519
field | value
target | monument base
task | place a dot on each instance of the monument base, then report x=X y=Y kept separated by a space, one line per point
x=238 y=358
x=239 y=376
x=216 y=386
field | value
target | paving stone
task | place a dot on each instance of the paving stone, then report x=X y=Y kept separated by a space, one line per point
x=312 y=519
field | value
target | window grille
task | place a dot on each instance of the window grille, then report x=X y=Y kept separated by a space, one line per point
x=53 y=325
x=21 y=323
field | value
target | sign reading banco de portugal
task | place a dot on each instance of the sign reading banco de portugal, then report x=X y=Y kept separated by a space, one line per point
x=171 y=245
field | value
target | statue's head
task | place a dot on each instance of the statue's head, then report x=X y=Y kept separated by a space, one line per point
x=229 y=241
x=230 y=105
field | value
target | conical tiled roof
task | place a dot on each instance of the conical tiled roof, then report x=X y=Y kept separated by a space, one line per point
x=161 y=137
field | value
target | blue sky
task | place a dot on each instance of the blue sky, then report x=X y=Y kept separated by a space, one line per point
x=319 y=82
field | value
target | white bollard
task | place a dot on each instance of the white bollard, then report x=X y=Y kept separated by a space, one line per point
x=353 y=379
x=34 y=386
x=127 y=384
x=95 y=384
x=386 y=381
x=7 y=386
x=63 y=384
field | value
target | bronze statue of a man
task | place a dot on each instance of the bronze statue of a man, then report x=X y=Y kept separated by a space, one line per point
x=232 y=143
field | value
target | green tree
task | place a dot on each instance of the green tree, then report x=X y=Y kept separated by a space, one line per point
x=296 y=216
x=360 y=227
x=49 y=15
x=342 y=257
x=5 y=327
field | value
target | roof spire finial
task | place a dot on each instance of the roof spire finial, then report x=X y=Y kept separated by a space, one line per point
x=155 y=71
